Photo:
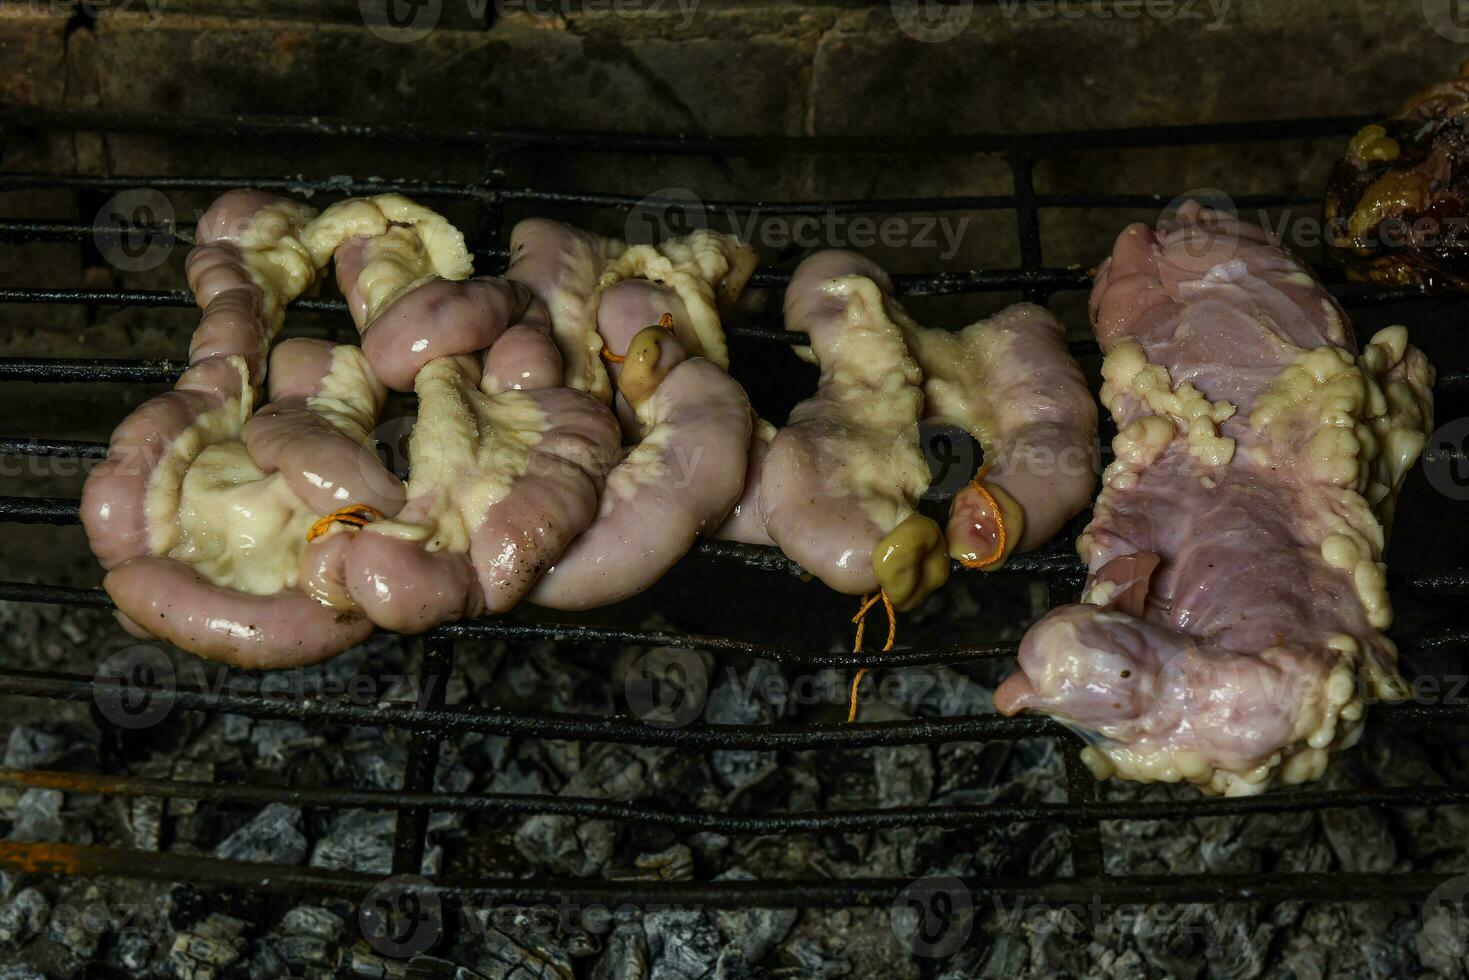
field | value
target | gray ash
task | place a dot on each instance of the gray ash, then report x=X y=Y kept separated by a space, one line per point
x=66 y=927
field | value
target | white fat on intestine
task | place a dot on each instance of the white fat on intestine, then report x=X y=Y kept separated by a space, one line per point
x=439 y=248
x=210 y=506
x=1126 y=372
x=277 y=259
x=1356 y=429
x=693 y=266
x=468 y=448
x=876 y=384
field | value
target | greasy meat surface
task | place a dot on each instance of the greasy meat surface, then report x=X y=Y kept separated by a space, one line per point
x=1232 y=626
x=691 y=425
x=201 y=511
x=506 y=464
x=1011 y=382
x=840 y=482
x=1397 y=203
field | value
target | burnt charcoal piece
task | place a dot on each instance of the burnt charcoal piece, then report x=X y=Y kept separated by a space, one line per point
x=1397 y=203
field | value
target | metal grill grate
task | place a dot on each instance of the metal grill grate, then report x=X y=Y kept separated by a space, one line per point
x=431 y=721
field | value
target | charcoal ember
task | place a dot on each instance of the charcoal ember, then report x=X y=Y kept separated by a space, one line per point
x=745 y=699
x=1397 y=200
x=902 y=774
x=276 y=742
x=1170 y=938
x=376 y=761
x=23 y=916
x=1238 y=942
x=732 y=965
x=1124 y=965
x=37 y=748
x=80 y=928
x=545 y=678
x=37 y=816
x=273 y=835
x=1007 y=956
x=133 y=949
x=519 y=776
x=625 y=956
x=504 y=958
x=1361 y=838
x=682 y=944
x=20 y=971
x=755 y=931
x=237 y=729
x=584 y=848
x=451 y=775
x=1442 y=942
x=707 y=845
x=936 y=692
x=357 y=840
x=189 y=771
x=145 y=822
x=203 y=952
x=675 y=863
x=816 y=961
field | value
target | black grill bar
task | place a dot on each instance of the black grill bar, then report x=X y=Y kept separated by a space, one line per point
x=951 y=817
x=549 y=725
x=1046 y=564
x=197 y=126
x=794 y=893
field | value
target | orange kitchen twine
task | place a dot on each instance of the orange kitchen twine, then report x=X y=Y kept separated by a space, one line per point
x=665 y=321
x=989 y=498
x=868 y=601
x=353 y=515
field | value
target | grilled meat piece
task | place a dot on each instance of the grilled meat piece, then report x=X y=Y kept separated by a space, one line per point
x=1231 y=630
x=1397 y=203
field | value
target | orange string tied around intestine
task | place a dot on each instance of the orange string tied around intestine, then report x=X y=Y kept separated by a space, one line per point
x=868 y=601
x=978 y=484
x=353 y=515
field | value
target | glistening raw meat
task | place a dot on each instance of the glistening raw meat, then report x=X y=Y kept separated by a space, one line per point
x=203 y=543
x=1231 y=631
